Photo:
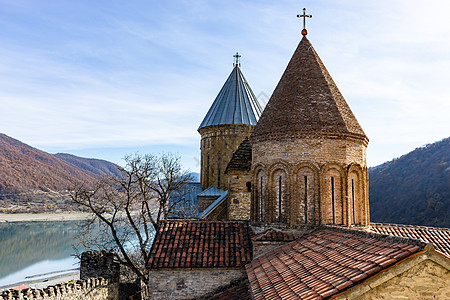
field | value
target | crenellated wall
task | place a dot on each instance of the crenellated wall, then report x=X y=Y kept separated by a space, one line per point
x=88 y=289
x=99 y=275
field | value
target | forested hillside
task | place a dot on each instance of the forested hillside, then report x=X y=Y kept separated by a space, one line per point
x=413 y=189
x=32 y=180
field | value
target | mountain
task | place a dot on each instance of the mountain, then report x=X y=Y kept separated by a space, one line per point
x=93 y=166
x=413 y=189
x=195 y=176
x=32 y=180
x=23 y=167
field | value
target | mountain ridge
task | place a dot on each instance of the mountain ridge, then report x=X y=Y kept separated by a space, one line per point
x=414 y=188
x=32 y=180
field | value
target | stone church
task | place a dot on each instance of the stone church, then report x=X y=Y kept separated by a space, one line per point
x=284 y=211
x=301 y=163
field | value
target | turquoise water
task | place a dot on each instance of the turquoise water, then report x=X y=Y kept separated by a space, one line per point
x=32 y=248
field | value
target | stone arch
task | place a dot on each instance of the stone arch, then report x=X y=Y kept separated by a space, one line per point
x=278 y=193
x=305 y=200
x=356 y=195
x=259 y=193
x=332 y=192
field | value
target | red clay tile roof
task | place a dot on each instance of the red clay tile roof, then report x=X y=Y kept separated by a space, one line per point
x=240 y=292
x=325 y=262
x=201 y=244
x=272 y=235
x=306 y=103
x=439 y=237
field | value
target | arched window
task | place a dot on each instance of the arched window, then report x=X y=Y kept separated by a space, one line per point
x=261 y=204
x=331 y=197
x=306 y=195
x=356 y=198
x=207 y=172
x=249 y=186
x=218 y=172
x=280 y=195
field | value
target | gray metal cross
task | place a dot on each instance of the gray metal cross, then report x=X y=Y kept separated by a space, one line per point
x=236 y=59
x=304 y=16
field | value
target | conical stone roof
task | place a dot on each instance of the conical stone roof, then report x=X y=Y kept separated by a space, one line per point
x=307 y=103
x=235 y=104
x=242 y=158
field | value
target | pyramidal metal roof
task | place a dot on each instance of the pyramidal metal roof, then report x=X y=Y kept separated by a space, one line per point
x=235 y=104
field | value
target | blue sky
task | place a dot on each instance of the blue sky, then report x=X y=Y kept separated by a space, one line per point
x=108 y=78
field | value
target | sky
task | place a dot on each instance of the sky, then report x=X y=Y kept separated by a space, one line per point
x=105 y=79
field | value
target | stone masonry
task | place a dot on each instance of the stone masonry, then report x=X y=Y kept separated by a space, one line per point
x=426 y=275
x=89 y=289
x=239 y=197
x=219 y=140
x=191 y=283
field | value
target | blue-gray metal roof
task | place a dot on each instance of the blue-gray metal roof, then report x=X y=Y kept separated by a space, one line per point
x=211 y=192
x=235 y=104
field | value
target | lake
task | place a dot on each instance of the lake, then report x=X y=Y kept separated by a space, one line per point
x=34 y=248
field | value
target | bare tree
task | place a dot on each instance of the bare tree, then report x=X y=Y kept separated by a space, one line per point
x=126 y=210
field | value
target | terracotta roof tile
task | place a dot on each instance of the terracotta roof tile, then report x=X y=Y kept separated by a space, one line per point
x=239 y=292
x=324 y=262
x=201 y=244
x=439 y=237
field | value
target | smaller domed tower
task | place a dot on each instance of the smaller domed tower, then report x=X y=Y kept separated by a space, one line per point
x=231 y=118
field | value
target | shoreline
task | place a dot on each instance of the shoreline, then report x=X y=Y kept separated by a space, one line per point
x=45 y=281
x=27 y=217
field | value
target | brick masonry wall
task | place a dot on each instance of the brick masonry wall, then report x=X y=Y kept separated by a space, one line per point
x=190 y=284
x=89 y=289
x=325 y=162
x=239 y=196
x=224 y=139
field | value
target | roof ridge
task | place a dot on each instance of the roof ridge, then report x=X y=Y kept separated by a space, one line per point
x=409 y=226
x=379 y=236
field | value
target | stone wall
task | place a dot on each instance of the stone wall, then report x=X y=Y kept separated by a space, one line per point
x=95 y=264
x=324 y=181
x=190 y=283
x=89 y=289
x=205 y=201
x=219 y=213
x=239 y=194
x=425 y=275
x=99 y=279
x=427 y=280
x=223 y=139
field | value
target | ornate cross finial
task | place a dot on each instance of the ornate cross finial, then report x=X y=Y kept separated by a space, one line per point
x=304 y=16
x=236 y=60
